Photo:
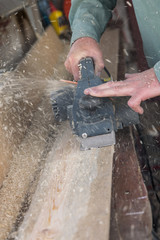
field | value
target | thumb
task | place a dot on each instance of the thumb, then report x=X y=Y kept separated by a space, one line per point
x=134 y=103
x=72 y=68
x=75 y=72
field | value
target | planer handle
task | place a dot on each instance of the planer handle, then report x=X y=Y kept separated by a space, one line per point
x=88 y=77
x=87 y=68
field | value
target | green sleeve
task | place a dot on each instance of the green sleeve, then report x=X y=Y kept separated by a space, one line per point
x=88 y=18
x=157 y=70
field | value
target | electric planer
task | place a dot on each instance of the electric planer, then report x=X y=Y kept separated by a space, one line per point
x=94 y=120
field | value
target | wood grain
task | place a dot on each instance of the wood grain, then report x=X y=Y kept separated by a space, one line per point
x=73 y=196
x=131 y=211
x=72 y=200
x=74 y=192
x=21 y=92
x=25 y=124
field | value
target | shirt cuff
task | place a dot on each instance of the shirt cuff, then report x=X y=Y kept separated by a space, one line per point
x=77 y=36
x=85 y=29
x=157 y=70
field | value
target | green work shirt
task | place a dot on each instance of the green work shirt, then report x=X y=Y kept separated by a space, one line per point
x=88 y=18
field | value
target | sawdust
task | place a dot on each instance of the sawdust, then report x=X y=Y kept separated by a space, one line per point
x=27 y=158
x=26 y=126
x=23 y=167
x=17 y=103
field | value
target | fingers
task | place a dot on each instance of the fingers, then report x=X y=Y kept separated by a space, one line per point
x=134 y=103
x=75 y=71
x=72 y=67
x=107 y=85
x=110 y=89
x=102 y=91
x=99 y=63
x=120 y=88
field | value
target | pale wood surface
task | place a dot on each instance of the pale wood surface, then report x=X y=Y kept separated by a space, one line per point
x=110 y=43
x=25 y=124
x=73 y=197
x=72 y=200
x=131 y=216
x=21 y=92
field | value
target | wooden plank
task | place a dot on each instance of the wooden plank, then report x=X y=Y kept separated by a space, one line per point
x=25 y=125
x=74 y=191
x=149 y=135
x=72 y=200
x=131 y=216
x=28 y=156
x=21 y=92
x=8 y=8
x=109 y=44
x=24 y=169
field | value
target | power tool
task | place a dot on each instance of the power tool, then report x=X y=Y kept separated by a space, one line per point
x=94 y=120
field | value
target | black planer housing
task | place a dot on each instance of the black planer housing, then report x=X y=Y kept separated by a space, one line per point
x=94 y=120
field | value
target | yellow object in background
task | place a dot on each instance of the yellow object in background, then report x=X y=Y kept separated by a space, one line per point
x=57 y=19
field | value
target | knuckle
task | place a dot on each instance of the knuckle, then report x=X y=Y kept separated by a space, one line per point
x=110 y=84
x=116 y=88
x=101 y=65
x=131 y=104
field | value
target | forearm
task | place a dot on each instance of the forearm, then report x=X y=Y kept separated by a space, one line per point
x=88 y=18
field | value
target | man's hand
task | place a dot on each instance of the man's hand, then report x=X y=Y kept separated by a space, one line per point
x=82 y=48
x=140 y=86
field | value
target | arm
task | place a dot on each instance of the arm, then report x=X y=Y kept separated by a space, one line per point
x=88 y=19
